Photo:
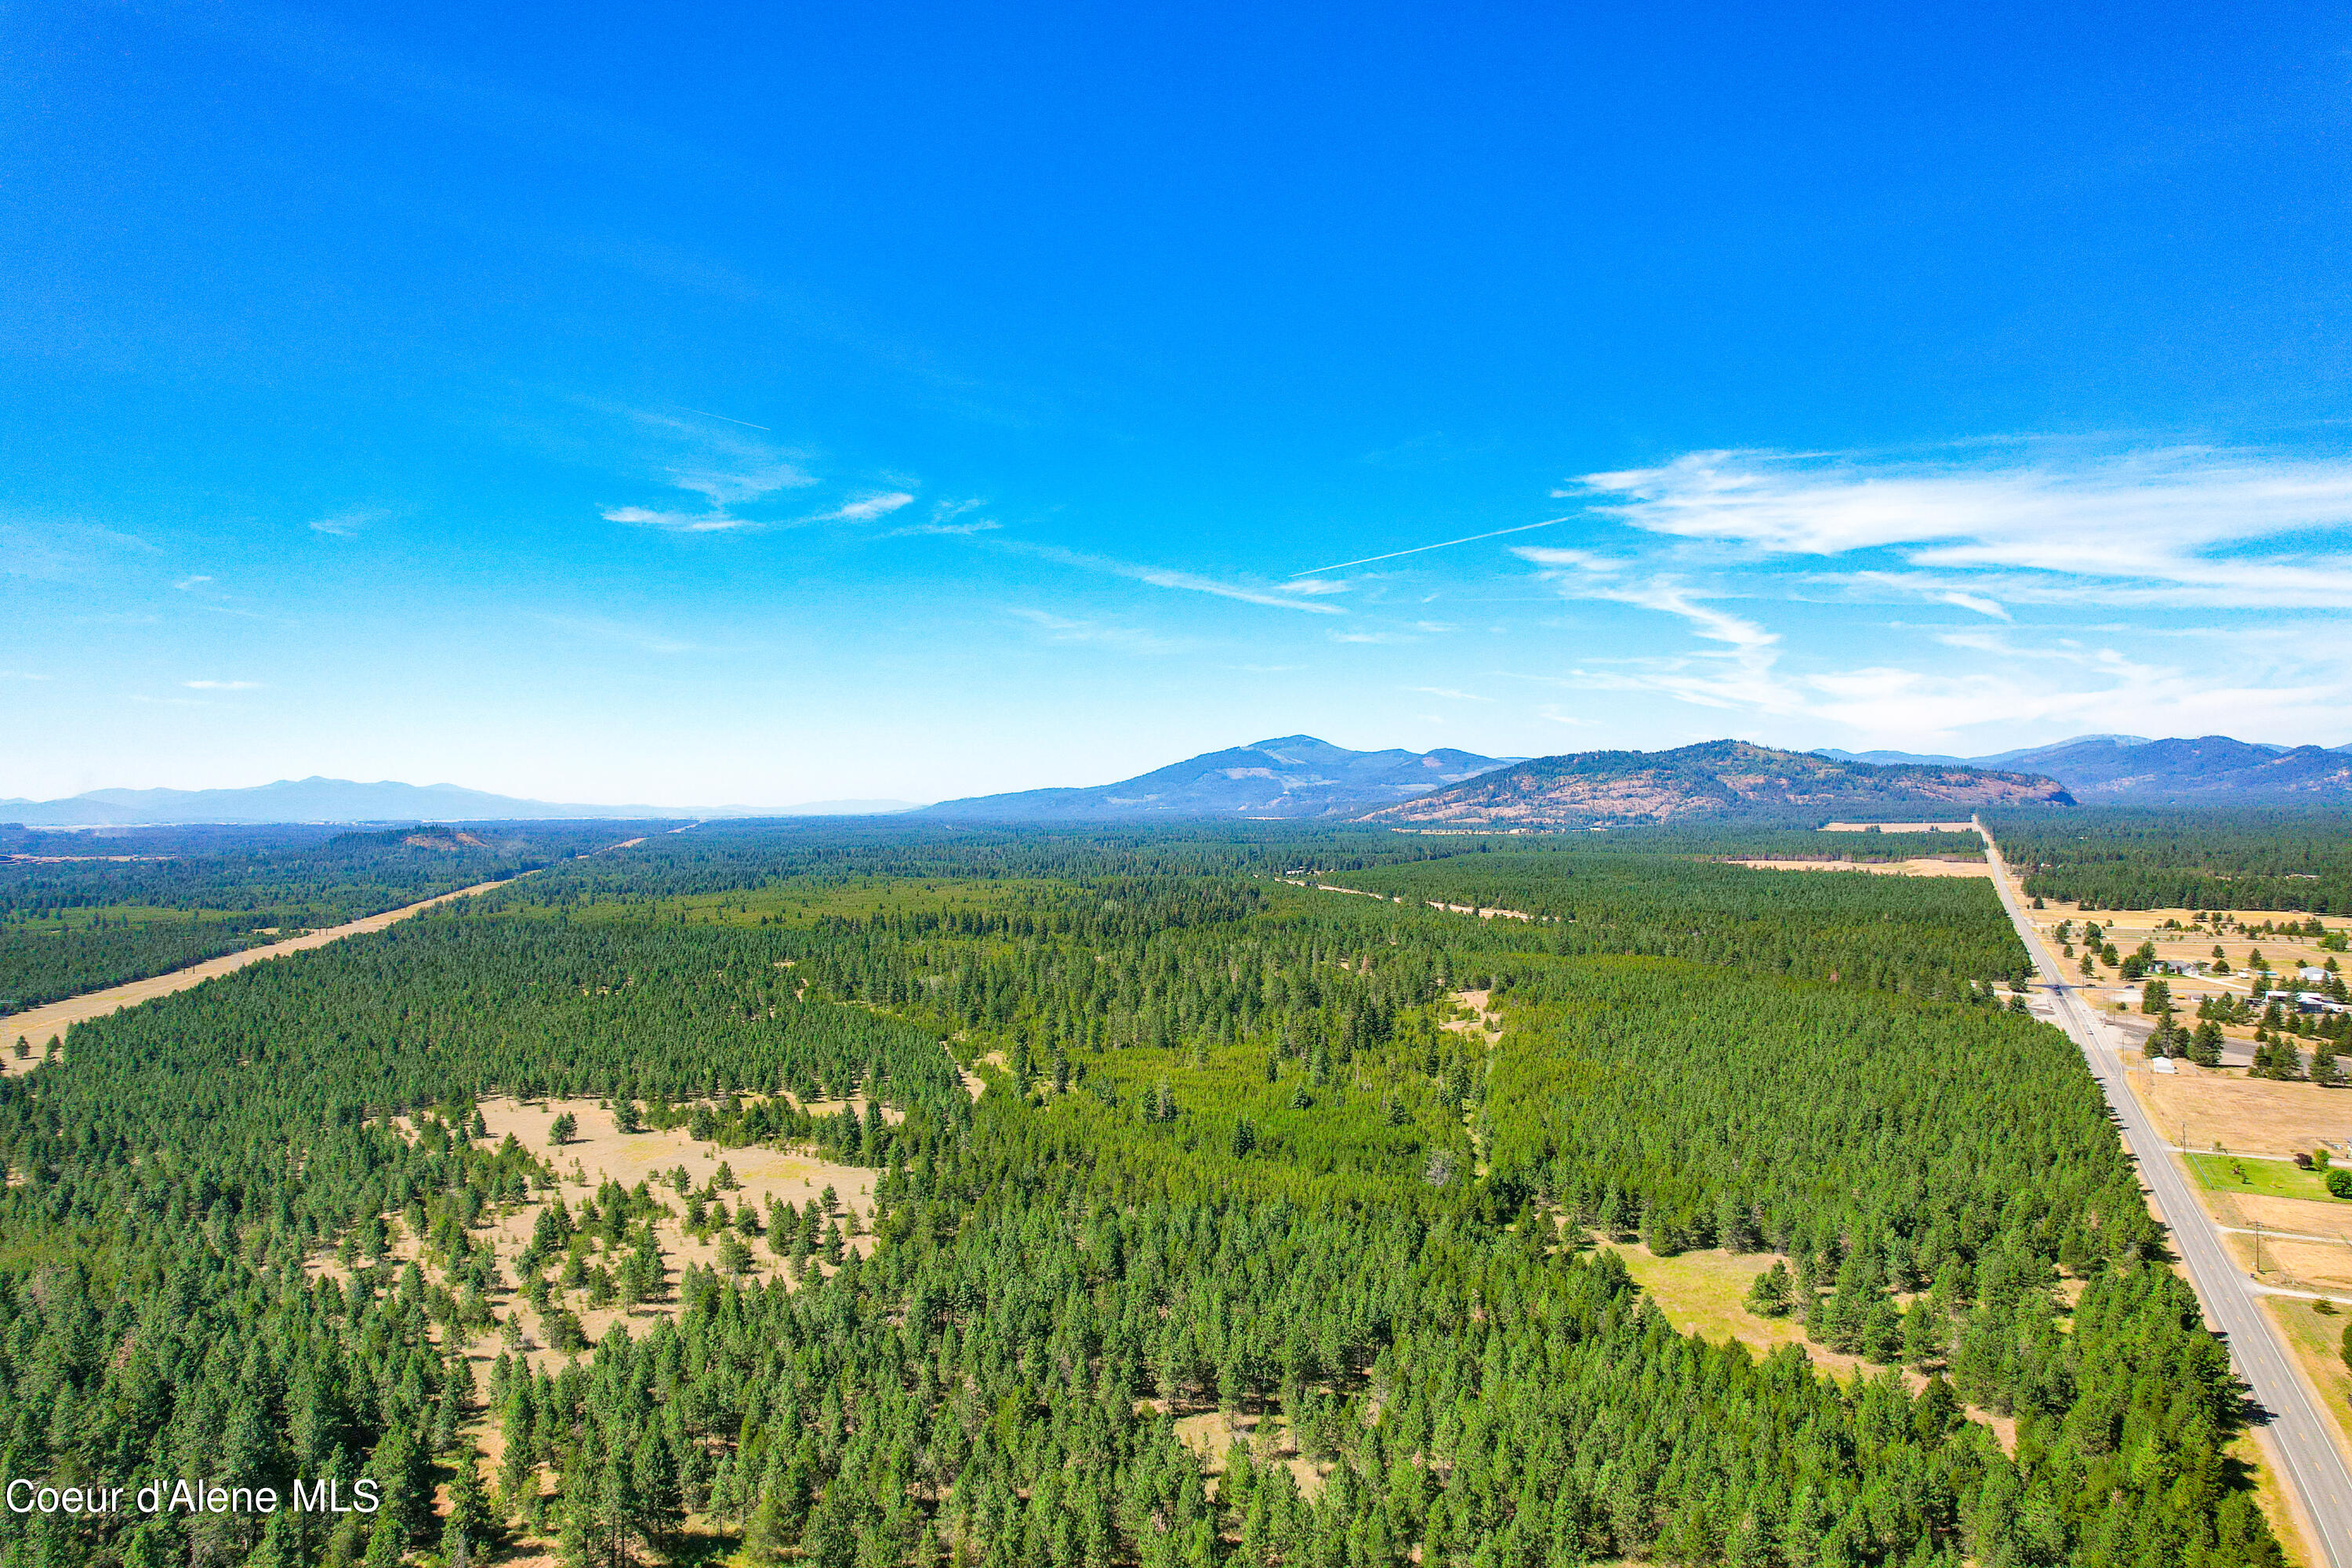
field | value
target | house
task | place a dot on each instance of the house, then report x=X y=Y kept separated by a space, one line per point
x=2165 y=1064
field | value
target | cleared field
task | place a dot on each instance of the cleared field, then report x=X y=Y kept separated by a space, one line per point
x=1700 y=1293
x=2292 y=1265
x=2196 y=1108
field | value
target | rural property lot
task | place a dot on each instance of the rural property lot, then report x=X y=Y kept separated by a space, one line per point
x=38 y=1025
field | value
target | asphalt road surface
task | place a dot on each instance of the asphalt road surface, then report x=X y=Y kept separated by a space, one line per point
x=2310 y=1464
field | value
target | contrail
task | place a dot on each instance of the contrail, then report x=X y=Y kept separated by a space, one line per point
x=1417 y=549
x=745 y=423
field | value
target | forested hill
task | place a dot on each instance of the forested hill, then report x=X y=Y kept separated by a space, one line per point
x=1293 y=776
x=1718 y=779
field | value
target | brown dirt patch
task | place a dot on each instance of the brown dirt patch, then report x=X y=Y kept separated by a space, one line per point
x=1211 y=1436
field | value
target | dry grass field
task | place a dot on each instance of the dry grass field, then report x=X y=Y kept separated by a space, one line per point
x=1703 y=1293
x=2243 y=1115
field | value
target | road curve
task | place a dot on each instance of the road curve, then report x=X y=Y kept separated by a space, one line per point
x=2310 y=1466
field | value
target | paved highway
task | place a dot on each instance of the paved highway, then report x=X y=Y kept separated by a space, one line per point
x=2311 y=1465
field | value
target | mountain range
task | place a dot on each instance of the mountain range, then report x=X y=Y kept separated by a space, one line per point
x=1716 y=779
x=341 y=800
x=1299 y=776
x=2132 y=770
x=1291 y=776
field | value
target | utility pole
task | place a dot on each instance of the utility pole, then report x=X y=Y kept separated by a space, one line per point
x=2258 y=1246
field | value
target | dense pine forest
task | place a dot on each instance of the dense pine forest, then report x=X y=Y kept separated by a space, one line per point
x=143 y=903
x=1351 y=1171
x=2115 y=858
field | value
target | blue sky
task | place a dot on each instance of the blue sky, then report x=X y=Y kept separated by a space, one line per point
x=765 y=404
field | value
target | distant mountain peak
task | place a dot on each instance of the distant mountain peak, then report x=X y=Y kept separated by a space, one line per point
x=1712 y=779
x=321 y=799
x=1286 y=777
x=2132 y=770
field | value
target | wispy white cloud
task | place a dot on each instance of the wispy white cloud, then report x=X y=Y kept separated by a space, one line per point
x=864 y=509
x=1377 y=639
x=1740 y=675
x=1977 y=603
x=944 y=523
x=1273 y=595
x=1100 y=634
x=729 y=463
x=945 y=530
x=1584 y=560
x=21 y=675
x=348 y=524
x=2174 y=525
x=190 y=585
x=733 y=484
x=676 y=521
x=222 y=685
x=1447 y=691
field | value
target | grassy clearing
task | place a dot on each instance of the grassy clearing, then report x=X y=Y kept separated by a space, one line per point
x=2269 y=1178
x=2198 y=1108
x=1701 y=1292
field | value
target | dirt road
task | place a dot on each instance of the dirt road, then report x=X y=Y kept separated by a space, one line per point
x=39 y=1023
